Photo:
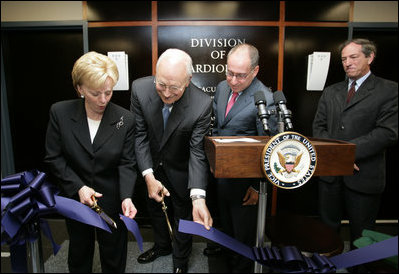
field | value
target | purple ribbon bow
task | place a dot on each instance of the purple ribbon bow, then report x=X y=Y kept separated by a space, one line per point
x=289 y=259
x=27 y=196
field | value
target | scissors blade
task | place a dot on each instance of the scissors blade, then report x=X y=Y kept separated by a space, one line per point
x=107 y=219
x=102 y=214
x=167 y=219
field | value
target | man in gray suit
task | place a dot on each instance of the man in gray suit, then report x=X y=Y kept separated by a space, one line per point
x=170 y=151
x=362 y=110
x=236 y=115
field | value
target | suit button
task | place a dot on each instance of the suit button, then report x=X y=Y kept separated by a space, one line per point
x=160 y=163
x=342 y=127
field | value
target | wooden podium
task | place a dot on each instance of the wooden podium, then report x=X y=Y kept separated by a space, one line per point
x=243 y=160
x=240 y=159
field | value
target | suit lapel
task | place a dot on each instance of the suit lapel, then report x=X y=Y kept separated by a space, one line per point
x=363 y=91
x=81 y=129
x=107 y=127
x=155 y=106
x=240 y=103
x=224 y=101
x=177 y=115
x=342 y=93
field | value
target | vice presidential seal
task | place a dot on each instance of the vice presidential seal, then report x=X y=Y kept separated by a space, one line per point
x=289 y=160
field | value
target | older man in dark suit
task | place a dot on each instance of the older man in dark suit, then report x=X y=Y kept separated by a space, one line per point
x=362 y=110
x=172 y=118
x=236 y=115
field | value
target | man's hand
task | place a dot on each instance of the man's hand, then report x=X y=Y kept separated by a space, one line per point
x=201 y=213
x=85 y=195
x=155 y=188
x=355 y=167
x=251 y=197
x=128 y=208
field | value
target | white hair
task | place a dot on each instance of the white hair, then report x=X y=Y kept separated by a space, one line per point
x=178 y=55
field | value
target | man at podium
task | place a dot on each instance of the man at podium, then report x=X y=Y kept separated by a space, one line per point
x=362 y=110
x=236 y=115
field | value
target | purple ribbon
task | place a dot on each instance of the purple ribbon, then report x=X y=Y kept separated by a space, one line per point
x=289 y=259
x=132 y=226
x=27 y=196
x=366 y=254
x=216 y=236
x=30 y=196
x=75 y=210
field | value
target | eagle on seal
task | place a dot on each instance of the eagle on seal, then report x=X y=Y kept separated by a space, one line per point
x=288 y=162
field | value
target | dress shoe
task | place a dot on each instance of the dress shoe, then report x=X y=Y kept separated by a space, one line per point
x=212 y=251
x=180 y=269
x=151 y=254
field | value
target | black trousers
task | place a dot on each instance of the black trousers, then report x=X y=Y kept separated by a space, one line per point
x=177 y=209
x=336 y=201
x=238 y=221
x=112 y=247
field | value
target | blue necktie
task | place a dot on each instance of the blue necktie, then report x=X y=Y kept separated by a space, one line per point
x=165 y=114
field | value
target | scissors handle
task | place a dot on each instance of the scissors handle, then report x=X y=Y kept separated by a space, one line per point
x=95 y=206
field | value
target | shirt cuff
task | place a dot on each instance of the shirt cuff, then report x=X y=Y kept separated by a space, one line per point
x=197 y=191
x=147 y=171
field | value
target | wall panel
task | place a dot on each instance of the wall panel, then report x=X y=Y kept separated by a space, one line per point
x=38 y=65
x=299 y=43
x=118 y=10
x=209 y=45
x=322 y=11
x=135 y=41
x=218 y=10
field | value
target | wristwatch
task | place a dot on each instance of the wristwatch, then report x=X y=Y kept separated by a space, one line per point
x=195 y=197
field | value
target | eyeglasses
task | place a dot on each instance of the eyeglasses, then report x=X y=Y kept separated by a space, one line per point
x=239 y=76
x=162 y=86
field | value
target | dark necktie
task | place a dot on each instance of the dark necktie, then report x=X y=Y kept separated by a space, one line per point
x=165 y=114
x=231 y=102
x=351 y=92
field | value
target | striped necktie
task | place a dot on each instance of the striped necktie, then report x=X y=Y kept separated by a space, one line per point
x=351 y=92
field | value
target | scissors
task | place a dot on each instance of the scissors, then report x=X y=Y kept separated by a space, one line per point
x=164 y=208
x=102 y=214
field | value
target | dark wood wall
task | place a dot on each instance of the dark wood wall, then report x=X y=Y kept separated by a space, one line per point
x=38 y=63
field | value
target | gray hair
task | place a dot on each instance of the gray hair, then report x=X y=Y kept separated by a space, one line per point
x=368 y=46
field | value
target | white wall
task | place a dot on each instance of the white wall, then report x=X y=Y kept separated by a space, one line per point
x=375 y=11
x=364 y=11
x=41 y=10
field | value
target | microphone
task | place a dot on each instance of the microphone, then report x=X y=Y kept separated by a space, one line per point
x=280 y=101
x=260 y=102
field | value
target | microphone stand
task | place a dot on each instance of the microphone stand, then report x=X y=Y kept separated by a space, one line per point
x=260 y=233
x=262 y=211
x=280 y=121
x=262 y=201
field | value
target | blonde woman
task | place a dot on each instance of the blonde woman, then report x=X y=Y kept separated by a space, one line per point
x=90 y=152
